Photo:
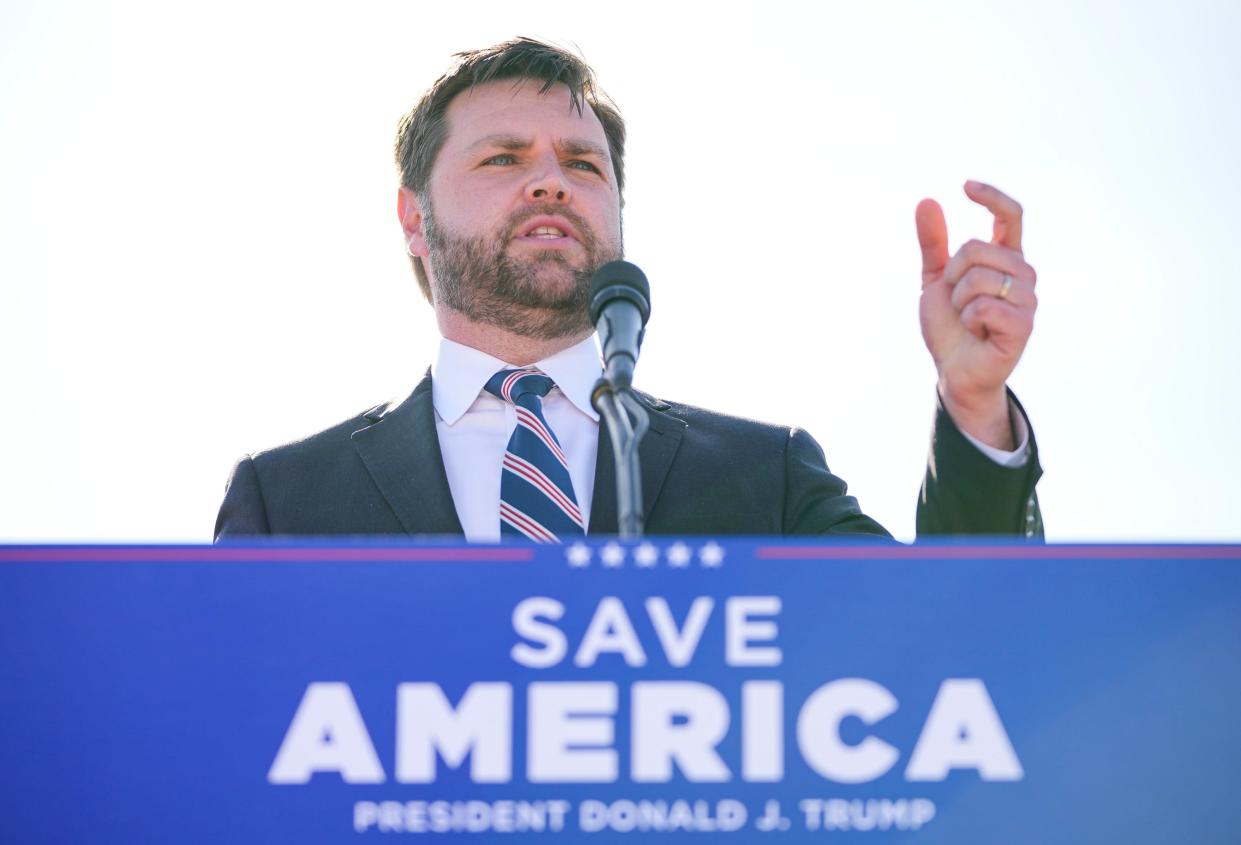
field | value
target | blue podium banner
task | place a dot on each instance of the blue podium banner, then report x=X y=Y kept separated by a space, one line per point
x=673 y=690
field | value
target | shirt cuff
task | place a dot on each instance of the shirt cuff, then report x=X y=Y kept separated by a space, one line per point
x=1021 y=433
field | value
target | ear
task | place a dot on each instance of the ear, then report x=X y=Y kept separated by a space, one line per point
x=409 y=212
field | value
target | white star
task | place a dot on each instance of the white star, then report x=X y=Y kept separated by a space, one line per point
x=646 y=555
x=612 y=555
x=679 y=555
x=578 y=555
x=711 y=555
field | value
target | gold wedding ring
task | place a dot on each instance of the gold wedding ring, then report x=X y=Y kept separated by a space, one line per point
x=1005 y=286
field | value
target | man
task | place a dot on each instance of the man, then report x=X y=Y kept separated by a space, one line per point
x=512 y=171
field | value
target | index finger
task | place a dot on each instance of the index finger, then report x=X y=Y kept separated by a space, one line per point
x=1007 y=211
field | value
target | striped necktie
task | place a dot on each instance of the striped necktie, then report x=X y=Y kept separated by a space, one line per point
x=536 y=492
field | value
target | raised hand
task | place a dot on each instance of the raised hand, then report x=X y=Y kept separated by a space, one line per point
x=977 y=312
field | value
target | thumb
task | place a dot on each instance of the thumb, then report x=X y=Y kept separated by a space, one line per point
x=933 y=238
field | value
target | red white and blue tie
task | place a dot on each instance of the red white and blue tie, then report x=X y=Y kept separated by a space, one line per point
x=536 y=492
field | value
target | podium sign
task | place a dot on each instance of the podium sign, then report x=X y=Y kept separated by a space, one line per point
x=674 y=690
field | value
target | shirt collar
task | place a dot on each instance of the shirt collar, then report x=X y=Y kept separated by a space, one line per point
x=460 y=373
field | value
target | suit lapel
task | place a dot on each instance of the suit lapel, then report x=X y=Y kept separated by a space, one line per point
x=656 y=451
x=402 y=453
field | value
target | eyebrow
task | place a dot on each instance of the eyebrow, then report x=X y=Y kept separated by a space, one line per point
x=567 y=146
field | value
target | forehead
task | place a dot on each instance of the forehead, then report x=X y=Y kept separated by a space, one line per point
x=515 y=106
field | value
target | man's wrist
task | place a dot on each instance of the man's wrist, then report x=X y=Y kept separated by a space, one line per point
x=1016 y=457
x=984 y=418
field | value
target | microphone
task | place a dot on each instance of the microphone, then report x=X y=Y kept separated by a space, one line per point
x=620 y=304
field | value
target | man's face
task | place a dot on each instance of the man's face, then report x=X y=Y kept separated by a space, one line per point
x=523 y=208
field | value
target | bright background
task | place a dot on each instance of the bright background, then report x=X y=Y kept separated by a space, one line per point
x=199 y=255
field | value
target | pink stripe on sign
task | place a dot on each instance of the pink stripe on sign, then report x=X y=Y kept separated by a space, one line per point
x=226 y=553
x=1053 y=552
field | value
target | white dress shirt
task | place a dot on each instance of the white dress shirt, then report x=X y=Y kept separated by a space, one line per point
x=474 y=428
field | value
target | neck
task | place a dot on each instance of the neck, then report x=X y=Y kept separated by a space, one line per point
x=500 y=343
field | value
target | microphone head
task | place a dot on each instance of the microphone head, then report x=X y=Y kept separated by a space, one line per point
x=619 y=280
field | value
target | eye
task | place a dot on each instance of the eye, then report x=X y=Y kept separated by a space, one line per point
x=502 y=158
x=578 y=164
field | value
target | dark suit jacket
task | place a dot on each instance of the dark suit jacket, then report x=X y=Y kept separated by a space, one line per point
x=702 y=473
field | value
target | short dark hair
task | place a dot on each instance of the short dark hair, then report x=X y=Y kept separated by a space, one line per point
x=422 y=131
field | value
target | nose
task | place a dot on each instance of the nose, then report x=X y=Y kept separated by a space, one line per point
x=548 y=183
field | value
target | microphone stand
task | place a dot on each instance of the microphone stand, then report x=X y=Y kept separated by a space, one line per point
x=627 y=422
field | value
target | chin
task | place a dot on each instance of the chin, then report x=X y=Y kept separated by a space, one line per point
x=556 y=277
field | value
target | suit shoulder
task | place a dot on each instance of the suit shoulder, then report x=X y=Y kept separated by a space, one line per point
x=753 y=447
x=695 y=416
x=322 y=444
x=318 y=484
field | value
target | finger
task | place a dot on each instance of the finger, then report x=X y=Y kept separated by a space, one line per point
x=983 y=281
x=1007 y=211
x=1003 y=323
x=979 y=253
x=933 y=238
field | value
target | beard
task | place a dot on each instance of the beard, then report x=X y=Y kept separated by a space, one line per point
x=544 y=296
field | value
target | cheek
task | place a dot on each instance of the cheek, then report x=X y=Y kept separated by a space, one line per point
x=606 y=218
x=614 y=226
x=467 y=209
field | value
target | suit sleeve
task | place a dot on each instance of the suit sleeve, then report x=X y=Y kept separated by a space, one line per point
x=815 y=500
x=243 y=511
x=965 y=492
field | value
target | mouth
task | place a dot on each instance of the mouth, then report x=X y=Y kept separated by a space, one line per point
x=547 y=231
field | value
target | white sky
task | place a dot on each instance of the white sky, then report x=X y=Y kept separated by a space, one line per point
x=199 y=255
